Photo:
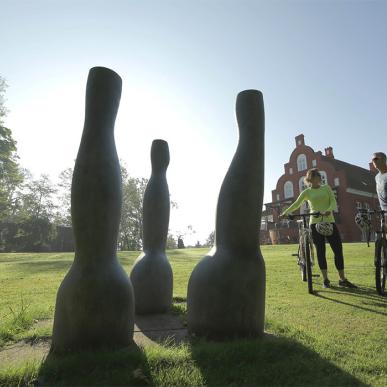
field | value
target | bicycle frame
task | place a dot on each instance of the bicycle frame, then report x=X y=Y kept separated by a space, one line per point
x=305 y=250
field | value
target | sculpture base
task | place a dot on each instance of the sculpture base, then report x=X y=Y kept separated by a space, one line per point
x=226 y=297
x=94 y=309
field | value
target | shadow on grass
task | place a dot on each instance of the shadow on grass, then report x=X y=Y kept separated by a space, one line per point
x=128 y=367
x=31 y=267
x=375 y=304
x=271 y=361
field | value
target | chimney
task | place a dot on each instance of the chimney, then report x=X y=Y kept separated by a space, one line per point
x=329 y=152
x=300 y=140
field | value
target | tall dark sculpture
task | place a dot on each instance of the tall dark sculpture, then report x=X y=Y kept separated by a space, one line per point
x=151 y=275
x=226 y=290
x=95 y=305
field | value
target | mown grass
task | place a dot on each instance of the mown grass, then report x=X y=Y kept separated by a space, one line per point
x=337 y=337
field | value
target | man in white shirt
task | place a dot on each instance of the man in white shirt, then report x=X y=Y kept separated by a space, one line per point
x=379 y=160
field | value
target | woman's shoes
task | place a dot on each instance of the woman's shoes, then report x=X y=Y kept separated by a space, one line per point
x=326 y=283
x=347 y=284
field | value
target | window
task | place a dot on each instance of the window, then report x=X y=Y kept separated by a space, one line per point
x=301 y=163
x=314 y=163
x=358 y=205
x=290 y=171
x=278 y=197
x=288 y=190
x=324 y=178
x=366 y=206
x=336 y=182
x=301 y=184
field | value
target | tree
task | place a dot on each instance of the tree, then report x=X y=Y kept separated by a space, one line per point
x=11 y=176
x=130 y=235
x=171 y=241
x=38 y=198
x=3 y=109
x=63 y=198
x=211 y=239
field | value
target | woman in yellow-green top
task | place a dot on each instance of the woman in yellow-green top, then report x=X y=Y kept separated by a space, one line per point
x=321 y=199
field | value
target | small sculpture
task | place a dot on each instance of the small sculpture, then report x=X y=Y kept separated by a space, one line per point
x=226 y=290
x=152 y=276
x=95 y=305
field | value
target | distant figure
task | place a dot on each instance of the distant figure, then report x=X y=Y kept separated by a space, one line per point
x=321 y=199
x=379 y=161
x=180 y=243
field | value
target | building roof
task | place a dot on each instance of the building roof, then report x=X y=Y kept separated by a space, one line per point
x=357 y=177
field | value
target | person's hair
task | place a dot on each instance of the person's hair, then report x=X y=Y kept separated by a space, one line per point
x=312 y=173
x=381 y=155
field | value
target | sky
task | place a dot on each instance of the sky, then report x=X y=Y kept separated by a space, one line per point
x=321 y=66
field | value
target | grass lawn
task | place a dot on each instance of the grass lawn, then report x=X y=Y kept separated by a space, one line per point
x=336 y=337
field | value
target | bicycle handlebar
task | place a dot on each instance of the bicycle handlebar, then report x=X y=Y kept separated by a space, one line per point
x=369 y=211
x=315 y=214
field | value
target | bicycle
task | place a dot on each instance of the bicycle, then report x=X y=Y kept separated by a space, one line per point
x=305 y=258
x=380 y=258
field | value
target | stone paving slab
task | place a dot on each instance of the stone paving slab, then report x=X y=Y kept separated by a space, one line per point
x=148 y=330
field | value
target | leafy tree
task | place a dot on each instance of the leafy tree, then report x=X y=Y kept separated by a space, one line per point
x=211 y=239
x=3 y=109
x=171 y=241
x=11 y=176
x=63 y=198
x=130 y=235
x=31 y=234
x=38 y=198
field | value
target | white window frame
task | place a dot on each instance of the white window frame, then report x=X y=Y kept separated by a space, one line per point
x=336 y=181
x=288 y=190
x=290 y=171
x=314 y=163
x=302 y=164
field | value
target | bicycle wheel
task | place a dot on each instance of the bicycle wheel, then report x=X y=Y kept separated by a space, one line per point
x=308 y=266
x=301 y=261
x=380 y=266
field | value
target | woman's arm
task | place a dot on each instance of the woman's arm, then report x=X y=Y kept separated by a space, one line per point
x=297 y=204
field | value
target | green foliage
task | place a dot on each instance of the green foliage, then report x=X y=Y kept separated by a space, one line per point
x=211 y=239
x=3 y=109
x=171 y=241
x=130 y=234
x=37 y=199
x=11 y=175
x=19 y=320
x=63 y=213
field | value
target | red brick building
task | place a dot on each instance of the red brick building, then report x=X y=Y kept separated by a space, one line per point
x=354 y=188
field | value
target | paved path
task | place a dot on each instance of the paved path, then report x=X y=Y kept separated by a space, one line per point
x=148 y=330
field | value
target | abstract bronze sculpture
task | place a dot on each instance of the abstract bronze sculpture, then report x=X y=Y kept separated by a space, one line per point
x=226 y=290
x=95 y=304
x=152 y=276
